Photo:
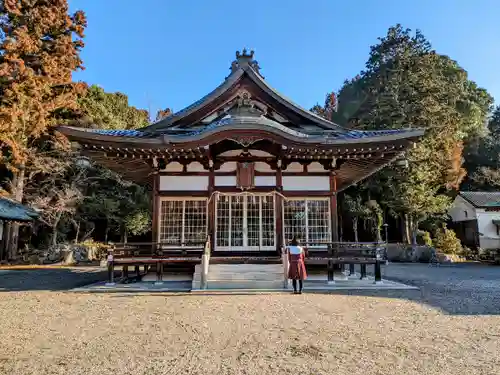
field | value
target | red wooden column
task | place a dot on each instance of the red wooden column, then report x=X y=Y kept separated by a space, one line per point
x=155 y=222
x=333 y=207
x=212 y=206
x=334 y=222
x=279 y=209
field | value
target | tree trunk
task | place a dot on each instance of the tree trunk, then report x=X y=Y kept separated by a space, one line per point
x=13 y=228
x=414 y=230
x=378 y=235
x=124 y=235
x=355 y=229
x=54 y=230
x=406 y=229
x=77 y=232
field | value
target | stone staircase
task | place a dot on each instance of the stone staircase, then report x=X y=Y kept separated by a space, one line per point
x=241 y=276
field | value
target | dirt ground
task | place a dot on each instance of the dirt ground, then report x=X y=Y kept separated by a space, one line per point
x=54 y=332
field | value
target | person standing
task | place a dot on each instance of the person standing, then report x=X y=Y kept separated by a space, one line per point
x=297 y=268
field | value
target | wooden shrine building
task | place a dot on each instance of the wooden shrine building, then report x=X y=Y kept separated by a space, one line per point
x=244 y=166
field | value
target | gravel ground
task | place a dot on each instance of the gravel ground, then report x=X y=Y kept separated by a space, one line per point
x=54 y=332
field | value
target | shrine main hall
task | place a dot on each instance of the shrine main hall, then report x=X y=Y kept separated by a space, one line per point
x=244 y=167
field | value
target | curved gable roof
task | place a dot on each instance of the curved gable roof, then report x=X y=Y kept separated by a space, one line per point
x=235 y=76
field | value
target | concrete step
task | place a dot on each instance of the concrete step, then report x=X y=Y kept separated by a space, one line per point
x=241 y=276
x=244 y=284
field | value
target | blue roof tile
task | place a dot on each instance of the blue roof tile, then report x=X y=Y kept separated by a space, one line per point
x=120 y=133
x=11 y=210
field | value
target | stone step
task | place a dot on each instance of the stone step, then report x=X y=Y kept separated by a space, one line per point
x=241 y=276
x=244 y=284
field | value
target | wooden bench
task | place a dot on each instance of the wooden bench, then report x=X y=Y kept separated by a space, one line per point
x=347 y=253
x=151 y=253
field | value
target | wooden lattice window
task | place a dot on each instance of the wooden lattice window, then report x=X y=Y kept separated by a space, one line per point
x=183 y=221
x=308 y=219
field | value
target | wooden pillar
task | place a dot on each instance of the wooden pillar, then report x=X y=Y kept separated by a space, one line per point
x=278 y=202
x=125 y=272
x=155 y=222
x=351 y=269
x=333 y=207
x=137 y=271
x=363 y=271
x=330 y=265
x=111 y=269
x=334 y=215
x=378 y=272
x=212 y=206
x=159 y=273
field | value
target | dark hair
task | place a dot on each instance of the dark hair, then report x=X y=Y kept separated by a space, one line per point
x=295 y=242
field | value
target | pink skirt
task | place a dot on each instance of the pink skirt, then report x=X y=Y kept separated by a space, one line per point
x=297 y=269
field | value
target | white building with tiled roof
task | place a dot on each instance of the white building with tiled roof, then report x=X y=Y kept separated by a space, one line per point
x=476 y=218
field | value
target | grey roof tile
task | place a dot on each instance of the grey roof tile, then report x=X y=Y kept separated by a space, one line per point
x=482 y=199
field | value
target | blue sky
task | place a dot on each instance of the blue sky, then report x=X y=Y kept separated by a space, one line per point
x=169 y=53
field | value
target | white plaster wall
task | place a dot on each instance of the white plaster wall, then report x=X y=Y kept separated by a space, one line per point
x=315 y=167
x=488 y=237
x=180 y=183
x=265 y=180
x=459 y=209
x=225 y=180
x=307 y=183
x=262 y=167
x=230 y=166
x=195 y=167
x=295 y=167
x=173 y=167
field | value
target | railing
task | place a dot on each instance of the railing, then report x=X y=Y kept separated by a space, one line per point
x=157 y=249
x=346 y=253
x=152 y=253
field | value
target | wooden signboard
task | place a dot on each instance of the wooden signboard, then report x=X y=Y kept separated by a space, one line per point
x=245 y=176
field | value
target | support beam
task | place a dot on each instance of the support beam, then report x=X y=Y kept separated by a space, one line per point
x=378 y=272
x=137 y=271
x=330 y=265
x=111 y=269
x=363 y=272
x=352 y=272
x=279 y=210
x=125 y=272
x=212 y=207
x=159 y=273
x=334 y=213
x=156 y=211
x=333 y=207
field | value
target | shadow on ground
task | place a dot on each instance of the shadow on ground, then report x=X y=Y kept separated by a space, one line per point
x=49 y=279
x=465 y=289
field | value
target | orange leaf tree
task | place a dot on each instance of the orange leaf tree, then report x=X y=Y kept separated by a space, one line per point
x=40 y=44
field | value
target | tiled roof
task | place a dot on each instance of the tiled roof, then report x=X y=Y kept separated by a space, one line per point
x=10 y=210
x=326 y=134
x=482 y=199
x=120 y=133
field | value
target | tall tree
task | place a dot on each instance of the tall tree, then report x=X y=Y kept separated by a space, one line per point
x=103 y=110
x=483 y=157
x=39 y=50
x=407 y=84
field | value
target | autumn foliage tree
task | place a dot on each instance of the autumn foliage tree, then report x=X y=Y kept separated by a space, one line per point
x=39 y=50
